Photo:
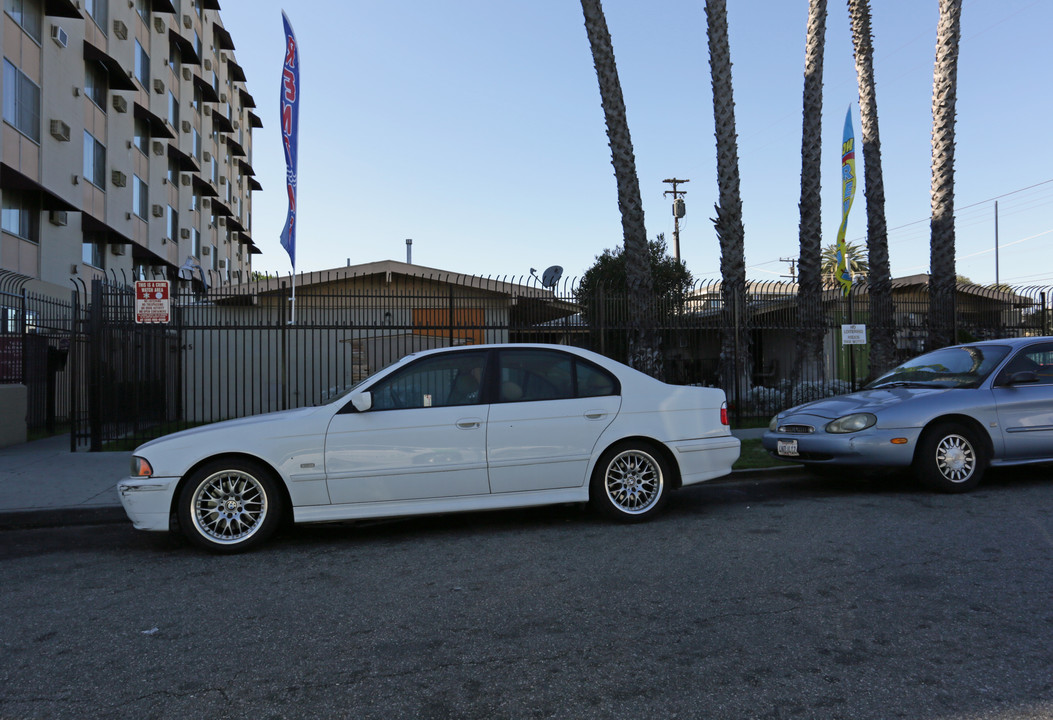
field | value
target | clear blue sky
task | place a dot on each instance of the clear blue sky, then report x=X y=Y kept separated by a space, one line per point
x=475 y=128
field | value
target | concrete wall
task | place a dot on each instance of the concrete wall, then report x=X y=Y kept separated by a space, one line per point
x=12 y=414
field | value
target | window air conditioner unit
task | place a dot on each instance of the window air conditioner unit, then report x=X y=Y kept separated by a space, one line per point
x=58 y=217
x=205 y=202
x=205 y=250
x=159 y=148
x=118 y=178
x=117 y=249
x=207 y=156
x=60 y=130
x=186 y=126
x=120 y=104
x=120 y=29
x=159 y=211
x=222 y=222
x=222 y=179
x=187 y=75
x=206 y=110
x=207 y=65
x=185 y=179
x=187 y=22
x=60 y=36
x=184 y=233
x=222 y=97
x=159 y=85
x=222 y=263
x=159 y=24
x=236 y=124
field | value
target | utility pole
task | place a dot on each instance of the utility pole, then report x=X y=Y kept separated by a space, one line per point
x=679 y=209
x=793 y=269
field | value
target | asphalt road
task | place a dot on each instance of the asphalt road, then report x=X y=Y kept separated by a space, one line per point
x=788 y=598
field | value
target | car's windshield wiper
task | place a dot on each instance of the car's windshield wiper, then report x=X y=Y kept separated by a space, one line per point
x=908 y=383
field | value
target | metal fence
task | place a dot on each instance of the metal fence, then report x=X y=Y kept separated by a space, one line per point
x=239 y=350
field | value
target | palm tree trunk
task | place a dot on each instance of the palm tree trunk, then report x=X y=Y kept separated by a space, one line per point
x=810 y=361
x=942 y=281
x=644 y=354
x=880 y=328
x=734 y=350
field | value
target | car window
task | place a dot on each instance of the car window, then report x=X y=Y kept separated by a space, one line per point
x=436 y=381
x=1036 y=358
x=531 y=375
x=954 y=367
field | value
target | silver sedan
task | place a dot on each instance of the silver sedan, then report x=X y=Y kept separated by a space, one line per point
x=948 y=415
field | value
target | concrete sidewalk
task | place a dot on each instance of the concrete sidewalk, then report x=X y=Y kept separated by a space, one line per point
x=43 y=484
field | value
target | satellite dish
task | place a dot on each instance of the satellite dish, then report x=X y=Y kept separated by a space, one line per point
x=550 y=278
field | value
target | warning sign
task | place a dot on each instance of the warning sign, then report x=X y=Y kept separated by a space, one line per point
x=152 y=303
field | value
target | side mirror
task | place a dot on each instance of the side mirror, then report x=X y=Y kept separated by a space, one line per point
x=1022 y=376
x=362 y=400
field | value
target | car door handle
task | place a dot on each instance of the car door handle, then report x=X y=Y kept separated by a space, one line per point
x=595 y=415
x=468 y=423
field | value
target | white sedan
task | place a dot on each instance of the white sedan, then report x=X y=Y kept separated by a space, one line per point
x=470 y=428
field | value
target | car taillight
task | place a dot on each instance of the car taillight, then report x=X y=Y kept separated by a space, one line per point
x=724 y=414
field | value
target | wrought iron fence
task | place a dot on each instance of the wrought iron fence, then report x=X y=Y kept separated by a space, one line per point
x=241 y=350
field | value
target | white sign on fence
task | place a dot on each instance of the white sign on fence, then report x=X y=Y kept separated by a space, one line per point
x=853 y=334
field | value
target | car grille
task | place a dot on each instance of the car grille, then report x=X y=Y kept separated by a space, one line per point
x=796 y=429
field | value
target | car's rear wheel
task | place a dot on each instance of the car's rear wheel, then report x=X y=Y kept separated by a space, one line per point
x=630 y=482
x=230 y=505
x=950 y=458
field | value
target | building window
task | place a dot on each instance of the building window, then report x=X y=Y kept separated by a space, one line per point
x=197 y=99
x=173 y=224
x=195 y=242
x=196 y=143
x=21 y=102
x=97 y=9
x=92 y=253
x=215 y=170
x=142 y=66
x=173 y=171
x=173 y=110
x=95 y=83
x=143 y=8
x=142 y=135
x=197 y=38
x=26 y=13
x=175 y=58
x=94 y=161
x=21 y=215
x=193 y=202
x=140 y=197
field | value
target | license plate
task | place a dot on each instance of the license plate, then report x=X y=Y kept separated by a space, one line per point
x=787 y=447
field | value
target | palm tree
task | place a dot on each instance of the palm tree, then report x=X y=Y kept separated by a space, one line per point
x=644 y=341
x=810 y=279
x=941 y=248
x=854 y=259
x=881 y=329
x=734 y=349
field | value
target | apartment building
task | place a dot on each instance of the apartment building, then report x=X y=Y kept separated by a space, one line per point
x=127 y=143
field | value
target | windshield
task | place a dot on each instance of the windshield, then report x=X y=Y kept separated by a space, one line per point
x=954 y=367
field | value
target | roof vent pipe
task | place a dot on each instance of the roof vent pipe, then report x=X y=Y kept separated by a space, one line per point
x=409 y=251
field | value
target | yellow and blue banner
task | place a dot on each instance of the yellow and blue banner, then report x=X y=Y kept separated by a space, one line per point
x=290 y=116
x=848 y=192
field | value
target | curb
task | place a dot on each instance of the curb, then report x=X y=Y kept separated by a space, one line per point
x=38 y=519
x=61 y=517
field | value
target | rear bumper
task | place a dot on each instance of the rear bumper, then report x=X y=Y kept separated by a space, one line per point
x=706 y=458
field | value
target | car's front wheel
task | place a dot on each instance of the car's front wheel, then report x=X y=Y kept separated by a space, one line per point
x=230 y=505
x=950 y=458
x=630 y=482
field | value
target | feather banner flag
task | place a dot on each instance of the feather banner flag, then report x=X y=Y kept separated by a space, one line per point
x=290 y=118
x=848 y=192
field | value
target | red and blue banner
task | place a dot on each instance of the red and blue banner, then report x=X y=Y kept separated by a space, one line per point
x=848 y=192
x=290 y=109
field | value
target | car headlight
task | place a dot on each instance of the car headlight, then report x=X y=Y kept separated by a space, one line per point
x=774 y=424
x=851 y=423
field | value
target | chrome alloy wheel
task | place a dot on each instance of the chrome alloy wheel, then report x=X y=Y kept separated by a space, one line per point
x=634 y=481
x=229 y=506
x=955 y=458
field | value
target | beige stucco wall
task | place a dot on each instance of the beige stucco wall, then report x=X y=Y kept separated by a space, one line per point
x=12 y=414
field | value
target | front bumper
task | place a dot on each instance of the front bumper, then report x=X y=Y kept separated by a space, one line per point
x=148 y=501
x=872 y=447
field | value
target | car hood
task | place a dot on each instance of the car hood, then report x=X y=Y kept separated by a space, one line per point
x=871 y=401
x=240 y=424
